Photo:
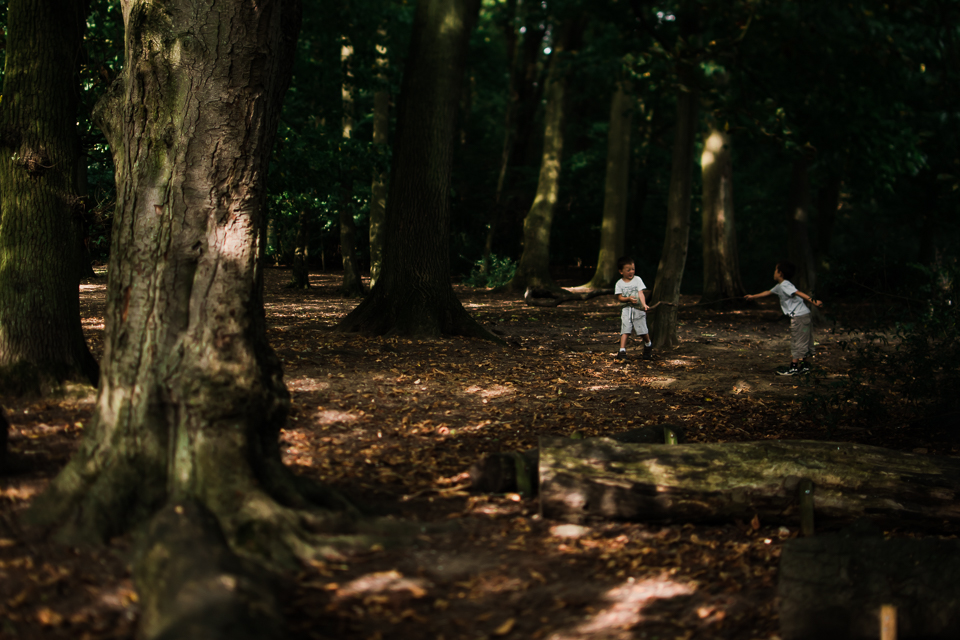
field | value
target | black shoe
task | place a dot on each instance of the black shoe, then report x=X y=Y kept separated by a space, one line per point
x=647 y=353
x=622 y=355
x=803 y=367
x=792 y=370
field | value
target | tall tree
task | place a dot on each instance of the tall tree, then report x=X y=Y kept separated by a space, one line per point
x=191 y=398
x=721 y=263
x=381 y=130
x=413 y=295
x=352 y=284
x=533 y=268
x=616 y=188
x=41 y=339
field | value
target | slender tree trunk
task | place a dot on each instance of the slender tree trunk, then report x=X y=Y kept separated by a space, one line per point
x=721 y=263
x=352 y=285
x=381 y=128
x=615 y=189
x=828 y=203
x=674 y=256
x=533 y=269
x=192 y=397
x=413 y=295
x=798 y=228
x=41 y=338
x=301 y=257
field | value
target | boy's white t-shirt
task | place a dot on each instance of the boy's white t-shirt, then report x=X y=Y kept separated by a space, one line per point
x=630 y=289
x=791 y=304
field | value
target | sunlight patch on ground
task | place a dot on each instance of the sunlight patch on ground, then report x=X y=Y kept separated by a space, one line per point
x=93 y=287
x=661 y=383
x=678 y=363
x=602 y=387
x=308 y=384
x=493 y=391
x=380 y=583
x=626 y=604
x=329 y=416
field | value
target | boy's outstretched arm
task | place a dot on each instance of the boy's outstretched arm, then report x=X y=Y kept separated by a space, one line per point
x=816 y=303
x=751 y=296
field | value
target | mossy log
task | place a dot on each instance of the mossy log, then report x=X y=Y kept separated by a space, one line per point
x=555 y=297
x=192 y=586
x=833 y=586
x=600 y=477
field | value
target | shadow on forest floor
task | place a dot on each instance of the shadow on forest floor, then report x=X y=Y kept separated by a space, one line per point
x=396 y=423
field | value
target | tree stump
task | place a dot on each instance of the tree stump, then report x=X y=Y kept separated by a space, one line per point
x=600 y=477
x=833 y=586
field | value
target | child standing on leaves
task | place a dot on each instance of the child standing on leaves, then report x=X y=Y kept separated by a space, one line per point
x=633 y=308
x=801 y=330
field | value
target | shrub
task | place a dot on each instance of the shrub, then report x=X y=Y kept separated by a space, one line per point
x=500 y=272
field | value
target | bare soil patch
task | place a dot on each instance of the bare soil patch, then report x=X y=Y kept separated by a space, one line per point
x=396 y=423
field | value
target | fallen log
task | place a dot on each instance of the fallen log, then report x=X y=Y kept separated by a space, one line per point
x=600 y=477
x=834 y=586
x=192 y=586
x=553 y=298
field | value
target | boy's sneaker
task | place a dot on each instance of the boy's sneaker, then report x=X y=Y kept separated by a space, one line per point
x=647 y=353
x=622 y=355
x=803 y=367
x=791 y=370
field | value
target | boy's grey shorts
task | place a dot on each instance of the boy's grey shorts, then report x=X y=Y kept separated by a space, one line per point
x=632 y=319
x=801 y=336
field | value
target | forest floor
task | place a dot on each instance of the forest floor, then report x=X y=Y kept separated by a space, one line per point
x=395 y=424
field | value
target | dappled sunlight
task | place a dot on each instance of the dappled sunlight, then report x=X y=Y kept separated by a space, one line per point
x=661 y=383
x=624 y=605
x=330 y=416
x=380 y=583
x=493 y=391
x=308 y=384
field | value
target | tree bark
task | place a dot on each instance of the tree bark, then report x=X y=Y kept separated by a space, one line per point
x=666 y=288
x=533 y=268
x=615 y=190
x=300 y=270
x=192 y=397
x=41 y=337
x=352 y=284
x=413 y=295
x=717 y=482
x=721 y=263
x=378 y=191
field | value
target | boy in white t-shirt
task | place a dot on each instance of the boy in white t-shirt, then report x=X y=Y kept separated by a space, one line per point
x=633 y=308
x=801 y=331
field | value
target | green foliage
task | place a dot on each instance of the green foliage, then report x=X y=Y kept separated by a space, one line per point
x=907 y=375
x=499 y=273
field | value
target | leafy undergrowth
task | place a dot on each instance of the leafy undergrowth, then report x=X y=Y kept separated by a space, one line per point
x=395 y=424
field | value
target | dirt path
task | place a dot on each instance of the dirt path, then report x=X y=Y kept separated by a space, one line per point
x=395 y=424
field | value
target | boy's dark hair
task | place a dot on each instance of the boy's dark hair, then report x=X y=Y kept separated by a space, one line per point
x=786 y=269
x=623 y=261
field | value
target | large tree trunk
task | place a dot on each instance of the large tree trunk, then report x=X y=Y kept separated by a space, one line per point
x=352 y=284
x=413 y=295
x=666 y=288
x=717 y=482
x=378 y=191
x=721 y=263
x=41 y=339
x=192 y=397
x=533 y=269
x=615 y=189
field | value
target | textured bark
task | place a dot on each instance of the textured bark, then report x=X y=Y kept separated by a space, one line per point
x=41 y=339
x=832 y=587
x=413 y=295
x=721 y=263
x=666 y=288
x=191 y=585
x=352 y=284
x=378 y=191
x=716 y=482
x=615 y=189
x=192 y=397
x=533 y=268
